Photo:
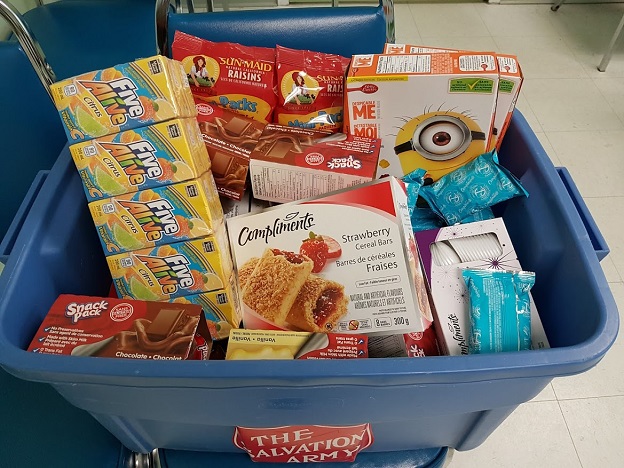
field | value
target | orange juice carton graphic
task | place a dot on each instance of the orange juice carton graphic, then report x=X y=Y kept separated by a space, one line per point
x=146 y=157
x=345 y=262
x=432 y=111
x=122 y=97
x=293 y=163
x=169 y=271
x=221 y=308
x=158 y=216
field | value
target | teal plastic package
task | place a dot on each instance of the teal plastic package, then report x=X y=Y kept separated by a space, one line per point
x=480 y=184
x=421 y=215
x=499 y=310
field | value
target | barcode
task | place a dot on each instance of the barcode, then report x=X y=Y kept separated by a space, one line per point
x=209 y=246
x=222 y=298
x=90 y=150
x=477 y=63
x=191 y=190
x=126 y=262
x=70 y=90
x=108 y=208
x=173 y=130
x=154 y=66
x=389 y=64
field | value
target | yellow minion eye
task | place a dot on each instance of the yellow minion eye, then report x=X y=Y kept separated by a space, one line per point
x=441 y=138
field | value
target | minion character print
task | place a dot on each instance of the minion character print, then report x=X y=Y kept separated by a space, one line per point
x=439 y=141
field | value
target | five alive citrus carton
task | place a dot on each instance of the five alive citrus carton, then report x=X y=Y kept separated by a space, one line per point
x=142 y=158
x=174 y=270
x=122 y=97
x=158 y=216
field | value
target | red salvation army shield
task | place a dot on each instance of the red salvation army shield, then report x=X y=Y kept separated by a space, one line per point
x=303 y=444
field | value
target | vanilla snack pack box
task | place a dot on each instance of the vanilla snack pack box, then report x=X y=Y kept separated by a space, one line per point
x=345 y=262
x=432 y=111
x=445 y=253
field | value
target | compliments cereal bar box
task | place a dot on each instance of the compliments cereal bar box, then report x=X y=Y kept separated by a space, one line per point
x=345 y=262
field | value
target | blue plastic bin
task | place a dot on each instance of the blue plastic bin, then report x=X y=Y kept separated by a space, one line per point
x=410 y=403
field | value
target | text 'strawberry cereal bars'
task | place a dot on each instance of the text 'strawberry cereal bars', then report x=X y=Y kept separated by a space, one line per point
x=158 y=216
x=122 y=97
x=173 y=270
x=344 y=262
x=146 y=157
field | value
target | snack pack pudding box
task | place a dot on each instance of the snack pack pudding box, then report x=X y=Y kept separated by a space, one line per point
x=122 y=97
x=229 y=138
x=438 y=130
x=345 y=262
x=293 y=163
x=120 y=328
x=146 y=157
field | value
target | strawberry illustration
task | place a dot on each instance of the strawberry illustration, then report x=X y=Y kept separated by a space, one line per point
x=316 y=249
x=335 y=250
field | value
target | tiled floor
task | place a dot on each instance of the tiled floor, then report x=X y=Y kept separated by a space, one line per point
x=578 y=115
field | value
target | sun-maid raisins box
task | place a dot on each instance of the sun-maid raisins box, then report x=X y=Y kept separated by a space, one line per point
x=345 y=262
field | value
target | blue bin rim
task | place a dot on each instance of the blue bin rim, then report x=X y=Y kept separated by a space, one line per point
x=371 y=372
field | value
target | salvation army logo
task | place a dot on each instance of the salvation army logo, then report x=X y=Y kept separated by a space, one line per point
x=303 y=444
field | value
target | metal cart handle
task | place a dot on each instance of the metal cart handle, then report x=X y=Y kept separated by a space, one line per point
x=29 y=44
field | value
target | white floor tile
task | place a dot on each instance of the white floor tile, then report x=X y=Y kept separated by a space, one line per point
x=535 y=435
x=611 y=273
x=478 y=43
x=594 y=159
x=523 y=106
x=569 y=104
x=517 y=20
x=613 y=91
x=608 y=212
x=406 y=30
x=542 y=57
x=448 y=19
x=578 y=20
x=596 y=426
